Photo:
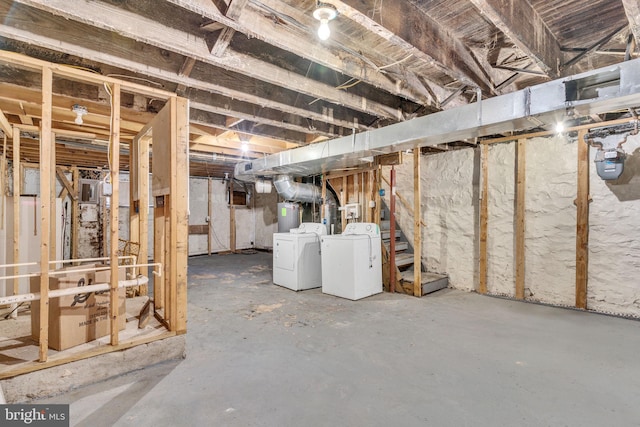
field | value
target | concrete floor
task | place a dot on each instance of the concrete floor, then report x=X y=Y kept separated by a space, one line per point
x=261 y=355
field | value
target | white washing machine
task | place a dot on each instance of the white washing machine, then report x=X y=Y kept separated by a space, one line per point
x=352 y=262
x=296 y=257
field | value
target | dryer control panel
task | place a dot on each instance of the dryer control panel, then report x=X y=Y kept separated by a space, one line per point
x=310 y=227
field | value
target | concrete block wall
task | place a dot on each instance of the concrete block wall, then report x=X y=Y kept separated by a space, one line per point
x=450 y=195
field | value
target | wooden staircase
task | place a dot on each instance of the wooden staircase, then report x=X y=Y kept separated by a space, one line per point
x=404 y=265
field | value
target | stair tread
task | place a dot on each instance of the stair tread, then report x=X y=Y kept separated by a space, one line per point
x=400 y=246
x=404 y=259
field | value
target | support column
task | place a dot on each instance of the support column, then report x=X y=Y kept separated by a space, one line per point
x=46 y=175
x=392 y=230
x=520 y=217
x=417 y=226
x=484 y=213
x=582 y=226
x=115 y=197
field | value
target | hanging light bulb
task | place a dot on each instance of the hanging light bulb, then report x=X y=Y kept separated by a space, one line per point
x=324 y=13
x=80 y=111
x=323 y=30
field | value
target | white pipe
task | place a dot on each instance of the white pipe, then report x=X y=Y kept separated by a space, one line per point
x=54 y=272
x=57 y=293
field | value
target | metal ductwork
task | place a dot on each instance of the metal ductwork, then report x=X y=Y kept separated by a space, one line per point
x=297 y=191
x=604 y=90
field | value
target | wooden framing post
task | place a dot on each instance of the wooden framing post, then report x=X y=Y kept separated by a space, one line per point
x=209 y=213
x=417 y=226
x=392 y=232
x=3 y=180
x=46 y=175
x=232 y=219
x=143 y=207
x=115 y=197
x=179 y=213
x=158 y=250
x=134 y=197
x=52 y=224
x=324 y=199
x=17 y=181
x=484 y=214
x=582 y=226
x=520 y=217
x=75 y=213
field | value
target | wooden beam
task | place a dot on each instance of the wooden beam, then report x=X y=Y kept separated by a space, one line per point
x=46 y=213
x=582 y=222
x=65 y=182
x=17 y=183
x=417 y=226
x=256 y=22
x=154 y=33
x=484 y=214
x=5 y=126
x=520 y=217
x=75 y=214
x=179 y=213
x=114 y=166
x=143 y=195
x=209 y=214
x=579 y=57
x=522 y=24
x=632 y=10
x=54 y=38
x=411 y=30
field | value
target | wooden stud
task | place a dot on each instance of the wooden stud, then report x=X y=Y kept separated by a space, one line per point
x=53 y=241
x=209 y=214
x=5 y=126
x=520 y=217
x=232 y=219
x=484 y=214
x=3 y=181
x=46 y=144
x=143 y=206
x=114 y=213
x=582 y=226
x=134 y=200
x=158 y=250
x=324 y=199
x=417 y=226
x=75 y=214
x=179 y=213
x=17 y=183
x=392 y=228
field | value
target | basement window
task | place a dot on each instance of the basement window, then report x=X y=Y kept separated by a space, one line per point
x=592 y=87
x=239 y=198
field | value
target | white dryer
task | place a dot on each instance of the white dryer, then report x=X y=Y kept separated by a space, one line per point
x=296 y=257
x=352 y=262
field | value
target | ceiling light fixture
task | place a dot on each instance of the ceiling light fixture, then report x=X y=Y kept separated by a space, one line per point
x=559 y=127
x=324 y=13
x=80 y=111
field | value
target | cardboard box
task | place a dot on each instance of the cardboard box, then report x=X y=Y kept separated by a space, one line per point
x=77 y=319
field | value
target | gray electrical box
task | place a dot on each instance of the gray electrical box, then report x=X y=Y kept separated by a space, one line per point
x=609 y=163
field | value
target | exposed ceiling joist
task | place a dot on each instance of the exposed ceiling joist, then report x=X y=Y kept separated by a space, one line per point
x=149 y=31
x=520 y=22
x=632 y=10
x=232 y=11
x=256 y=23
x=416 y=33
x=579 y=57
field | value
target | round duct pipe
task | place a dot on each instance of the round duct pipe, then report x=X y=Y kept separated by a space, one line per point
x=297 y=191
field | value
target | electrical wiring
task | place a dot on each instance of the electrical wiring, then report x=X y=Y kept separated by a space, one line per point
x=142 y=79
x=107 y=88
